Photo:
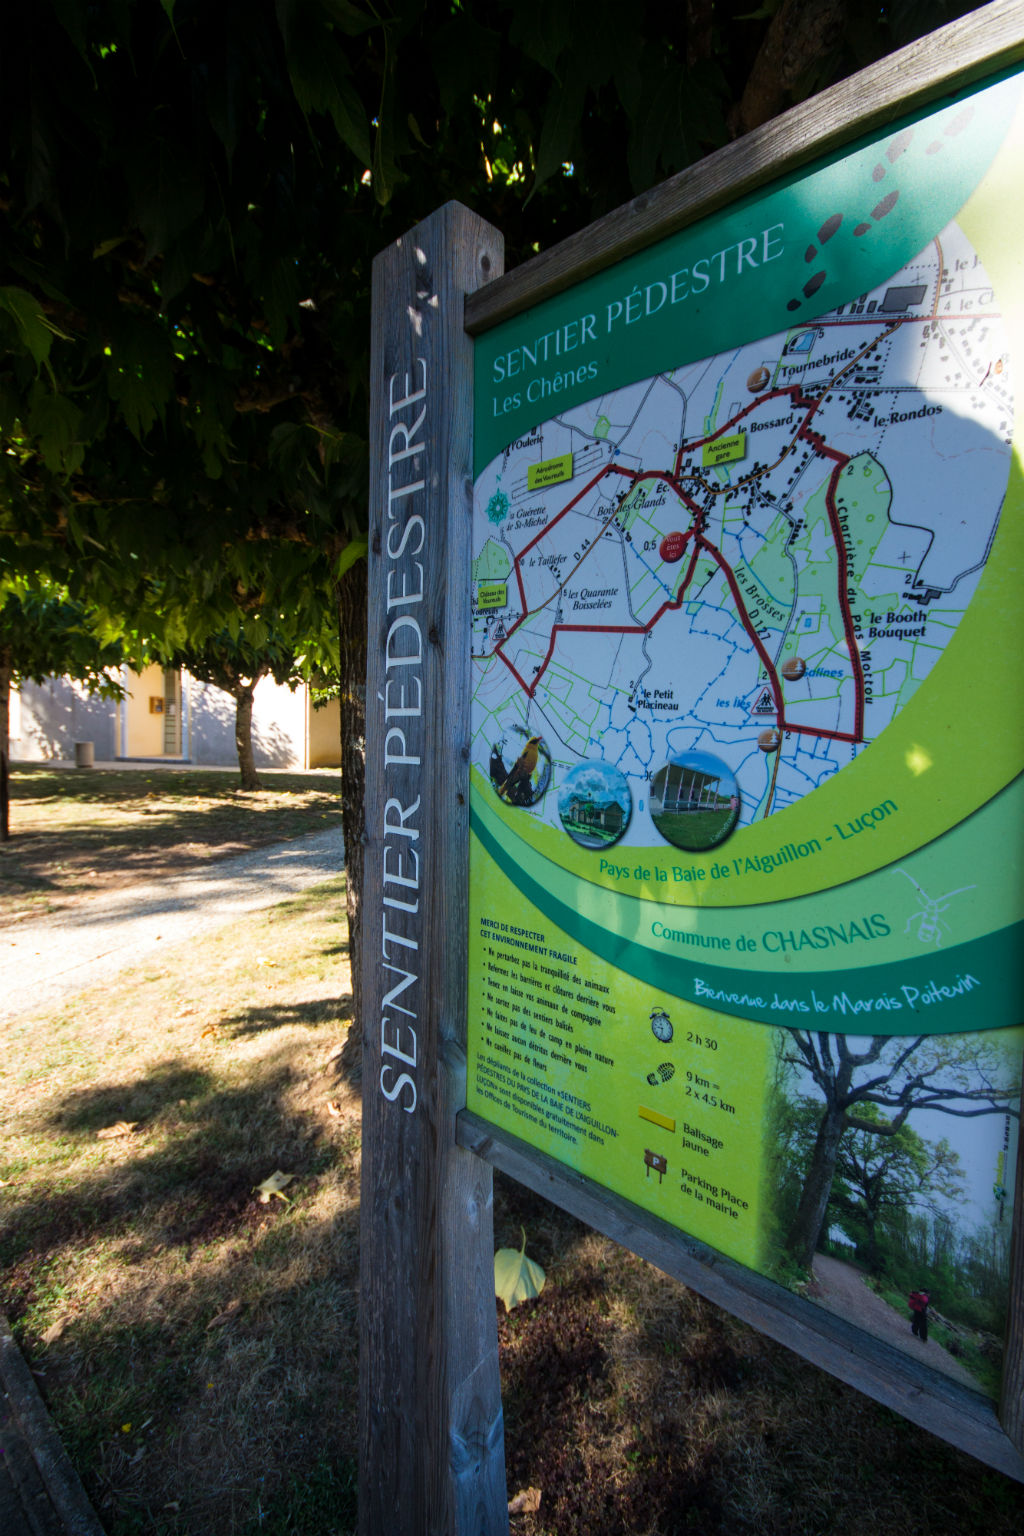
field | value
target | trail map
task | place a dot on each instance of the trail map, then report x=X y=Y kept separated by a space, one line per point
x=757 y=557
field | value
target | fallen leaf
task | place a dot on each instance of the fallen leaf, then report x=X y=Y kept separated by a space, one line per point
x=333 y=1107
x=516 y=1278
x=526 y=1502
x=233 y=1307
x=262 y=960
x=54 y=1331
x=111 y=1132
x=211 y=1029
x=273 y=1186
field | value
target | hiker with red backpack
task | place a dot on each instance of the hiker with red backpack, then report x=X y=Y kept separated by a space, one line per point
x=919 y=1314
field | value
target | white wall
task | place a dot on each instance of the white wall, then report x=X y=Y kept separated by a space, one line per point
x=54 y=715
x=278 y=725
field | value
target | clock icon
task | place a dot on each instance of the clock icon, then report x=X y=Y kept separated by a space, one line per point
x=661 y=1025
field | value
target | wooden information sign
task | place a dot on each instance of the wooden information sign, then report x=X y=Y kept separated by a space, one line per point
x=694 y=758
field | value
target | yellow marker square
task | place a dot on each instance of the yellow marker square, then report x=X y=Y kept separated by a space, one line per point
x=550 y=472
x=724 y=450
x=493 y=594
x=665 y=1121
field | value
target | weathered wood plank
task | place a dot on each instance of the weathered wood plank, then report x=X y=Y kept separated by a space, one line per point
x=1011 y=1405
x=431 y=1444
x=954 y=1413
x=944 y=61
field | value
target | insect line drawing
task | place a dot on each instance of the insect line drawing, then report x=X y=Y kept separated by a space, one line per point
x=929 y=919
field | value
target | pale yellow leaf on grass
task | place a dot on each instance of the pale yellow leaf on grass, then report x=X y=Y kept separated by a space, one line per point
x=526 y=1502
x=333 y=1107
x=111 y=1132
x=516 y=1278
x=273 y=1186
x=262 y=960
x=54 y=1331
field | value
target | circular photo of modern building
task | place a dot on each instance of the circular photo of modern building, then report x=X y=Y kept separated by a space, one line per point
x=695 y=801
x=595 y=804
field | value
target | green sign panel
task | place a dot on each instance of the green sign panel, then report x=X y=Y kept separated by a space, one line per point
x=747 y=726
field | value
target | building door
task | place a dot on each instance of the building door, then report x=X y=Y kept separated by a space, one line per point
x=172 y=713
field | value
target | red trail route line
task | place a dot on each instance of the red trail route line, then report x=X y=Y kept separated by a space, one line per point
x=695 y=532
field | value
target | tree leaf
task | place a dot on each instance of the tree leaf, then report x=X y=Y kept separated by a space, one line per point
x=32 y=328
x=355 y=549
x=561 y=120
x=56 y=422
x=516 y=1278
x=526 y=1502
x=273 y=1185
x=140 y=378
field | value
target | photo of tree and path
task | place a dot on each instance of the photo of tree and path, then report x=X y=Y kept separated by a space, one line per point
x=893 y=1169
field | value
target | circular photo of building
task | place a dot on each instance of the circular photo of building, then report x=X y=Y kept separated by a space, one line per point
x=520 y=768
x=595 y=804
x=695 y=802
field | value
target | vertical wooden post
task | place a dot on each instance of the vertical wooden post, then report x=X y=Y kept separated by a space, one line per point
x=431 y=1440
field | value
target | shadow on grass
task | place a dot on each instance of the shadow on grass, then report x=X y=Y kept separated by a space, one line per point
x=74 y=832
x=206 y=1348
x=94 y=1109
x=259 y=1020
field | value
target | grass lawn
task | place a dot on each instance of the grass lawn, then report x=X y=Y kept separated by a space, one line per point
x=639 y=1409
x=76 y=832
x=694 y=830
x=198 y=1346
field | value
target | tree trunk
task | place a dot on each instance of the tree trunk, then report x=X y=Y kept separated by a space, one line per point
x=6 y=672
x=243 y=735
x=797 y=44
x=351 y=595
x=872 y=1255
x=807 y=1223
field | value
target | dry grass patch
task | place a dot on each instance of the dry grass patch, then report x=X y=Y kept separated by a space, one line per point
x=199 y=1345
x=78 y=833
x=639 y=1409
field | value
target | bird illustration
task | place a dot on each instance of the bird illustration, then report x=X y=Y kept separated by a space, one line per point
x=523 y=768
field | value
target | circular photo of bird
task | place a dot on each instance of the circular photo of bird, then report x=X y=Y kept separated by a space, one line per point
x=595 y=804
x=523 y=779
x=695 y=802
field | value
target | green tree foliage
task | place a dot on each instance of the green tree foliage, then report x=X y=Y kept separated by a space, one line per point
x=192 y=195
x=877 y=1177
x=871 y=1087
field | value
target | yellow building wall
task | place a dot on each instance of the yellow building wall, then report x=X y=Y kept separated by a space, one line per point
x=144 y=732
x=324 y=735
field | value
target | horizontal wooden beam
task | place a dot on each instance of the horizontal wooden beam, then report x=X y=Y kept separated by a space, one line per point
x=945 y=61
x=964 y=1418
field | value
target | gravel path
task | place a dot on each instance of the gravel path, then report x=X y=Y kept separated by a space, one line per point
x=843 y=1291
x=45 y=959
